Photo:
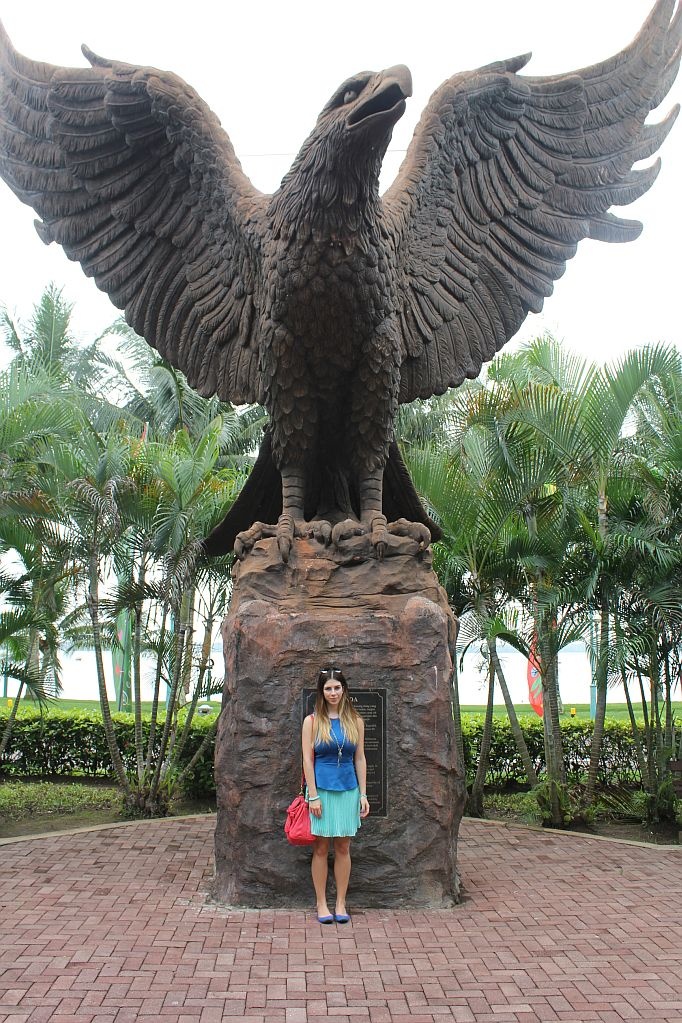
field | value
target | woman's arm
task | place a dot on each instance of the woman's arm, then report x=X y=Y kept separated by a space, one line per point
x=361 y=768
x=309 y=766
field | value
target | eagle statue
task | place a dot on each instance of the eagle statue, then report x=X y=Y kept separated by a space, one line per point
x=325 y=302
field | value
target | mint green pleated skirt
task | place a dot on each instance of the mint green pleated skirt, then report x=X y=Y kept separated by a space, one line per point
x=340 y=814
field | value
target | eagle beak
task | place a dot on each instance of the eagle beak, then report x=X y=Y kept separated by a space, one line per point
x=384 y=103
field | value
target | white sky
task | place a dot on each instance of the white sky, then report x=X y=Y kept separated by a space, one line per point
x=266 y=68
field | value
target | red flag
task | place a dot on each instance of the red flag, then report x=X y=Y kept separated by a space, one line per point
x=534 y=679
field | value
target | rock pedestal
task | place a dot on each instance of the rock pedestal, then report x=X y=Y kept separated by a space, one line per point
x=387 y=625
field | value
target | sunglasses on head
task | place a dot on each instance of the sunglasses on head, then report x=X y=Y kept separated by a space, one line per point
x=329 y=672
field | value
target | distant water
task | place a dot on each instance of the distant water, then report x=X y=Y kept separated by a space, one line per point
x=80 y=680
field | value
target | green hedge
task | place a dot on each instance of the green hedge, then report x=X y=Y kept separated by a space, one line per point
x=60 y=743
x=72 y=743
x=617 y=766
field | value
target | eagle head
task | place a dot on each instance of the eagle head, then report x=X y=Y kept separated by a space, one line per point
x=370 y=103
x=336 y=174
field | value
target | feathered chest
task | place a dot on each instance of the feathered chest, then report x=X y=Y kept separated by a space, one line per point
x=330 y=291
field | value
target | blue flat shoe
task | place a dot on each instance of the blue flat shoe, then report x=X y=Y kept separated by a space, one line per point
x=342 y=918
x=325 y=919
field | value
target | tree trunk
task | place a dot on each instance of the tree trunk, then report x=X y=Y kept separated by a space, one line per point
x=667 y=681
x=552 y=693
x=210 y=734
x=190 y=597
x=655 y=693
x=475 y=801
x=456 y=709
x=635 y=730
x=648 y=732
x=153 y=718
x=196 y=695
x=137 y=683
x=600 y=712
x=9 y=727
x=154 y=806
x=93 y=608
x=553 y=758
x=513 y=720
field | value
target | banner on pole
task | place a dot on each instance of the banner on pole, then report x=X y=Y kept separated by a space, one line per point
x=535 y=680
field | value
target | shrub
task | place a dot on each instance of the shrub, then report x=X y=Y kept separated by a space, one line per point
x=19 y=800
x=617 y=765
x=72 y=743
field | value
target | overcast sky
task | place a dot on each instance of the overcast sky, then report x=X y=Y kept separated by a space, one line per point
x=266 y=68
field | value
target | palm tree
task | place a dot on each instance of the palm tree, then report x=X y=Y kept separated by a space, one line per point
x=35 y=596
x=478 y=510
x=46 y=343
x=579 y=412
x=34 y=414
x=188 y=495
x=151 y=391
x=93 y=472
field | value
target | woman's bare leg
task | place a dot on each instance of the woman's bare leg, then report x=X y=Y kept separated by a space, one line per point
x=341 y=871
x=319 y=871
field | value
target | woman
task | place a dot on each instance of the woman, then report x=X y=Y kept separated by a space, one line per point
x=336 y=775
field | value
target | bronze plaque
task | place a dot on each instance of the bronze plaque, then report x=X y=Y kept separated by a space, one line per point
x=371 y=704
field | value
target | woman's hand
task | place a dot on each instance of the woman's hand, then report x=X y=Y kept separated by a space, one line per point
x=315 y=807
x=364 y=806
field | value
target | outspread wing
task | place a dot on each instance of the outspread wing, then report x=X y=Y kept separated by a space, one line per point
x=504 y=176
x=131 y=173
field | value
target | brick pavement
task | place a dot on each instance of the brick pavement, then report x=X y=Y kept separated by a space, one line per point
x=112 y=926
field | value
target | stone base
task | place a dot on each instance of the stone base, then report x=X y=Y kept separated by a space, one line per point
x=386 y=625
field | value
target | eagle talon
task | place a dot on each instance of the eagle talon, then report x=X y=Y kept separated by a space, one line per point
x=417 y=531
x=245 y=540
x=345 y=529
x=320 y=530
x=378 y=530
x=287 y=528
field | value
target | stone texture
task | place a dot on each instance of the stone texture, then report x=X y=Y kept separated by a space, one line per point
x=387 y=625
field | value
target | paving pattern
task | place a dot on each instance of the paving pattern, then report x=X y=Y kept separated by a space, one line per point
x=114 y=925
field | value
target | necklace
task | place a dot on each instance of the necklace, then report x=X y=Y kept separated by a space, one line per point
x=339 y=747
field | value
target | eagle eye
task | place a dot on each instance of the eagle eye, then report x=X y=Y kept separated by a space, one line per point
x=349 y=96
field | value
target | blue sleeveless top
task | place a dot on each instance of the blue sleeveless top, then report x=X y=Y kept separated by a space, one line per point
x=332 y=772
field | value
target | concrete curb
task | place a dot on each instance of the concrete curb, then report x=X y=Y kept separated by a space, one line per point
x=484 y=822
x=101 y=827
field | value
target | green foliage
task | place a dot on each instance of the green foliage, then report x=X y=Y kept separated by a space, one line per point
x=72 y=743
x=512 y=805
x=618 y=762
x=570 y=801
x=661 y=805
x=22 y=800
x=558 y=485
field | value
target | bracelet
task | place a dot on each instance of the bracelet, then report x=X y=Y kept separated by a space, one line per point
x=363 y=795
x=313 y=799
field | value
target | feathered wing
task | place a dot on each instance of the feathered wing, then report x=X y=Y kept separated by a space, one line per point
x=131 y=173
x=504 y=176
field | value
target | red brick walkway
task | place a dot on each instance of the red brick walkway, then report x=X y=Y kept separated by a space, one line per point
x=112 y=926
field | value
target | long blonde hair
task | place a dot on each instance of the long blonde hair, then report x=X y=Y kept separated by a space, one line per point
x=348 y=715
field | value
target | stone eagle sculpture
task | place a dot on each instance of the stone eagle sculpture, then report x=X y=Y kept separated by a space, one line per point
x=325 y=302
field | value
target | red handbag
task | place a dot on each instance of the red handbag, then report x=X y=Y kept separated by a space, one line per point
x=297 y=823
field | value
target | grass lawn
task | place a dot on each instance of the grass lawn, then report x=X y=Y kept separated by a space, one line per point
x=32 y=807
x=91 y=705
x=614 y=711
x=20 y=799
